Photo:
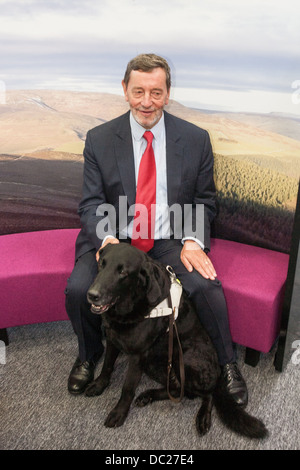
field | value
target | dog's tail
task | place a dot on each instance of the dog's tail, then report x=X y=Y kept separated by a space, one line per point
x=235 y=417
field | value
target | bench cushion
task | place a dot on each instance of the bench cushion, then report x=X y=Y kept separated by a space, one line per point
x=34 y=270
x=253 y=280
x=35 y=267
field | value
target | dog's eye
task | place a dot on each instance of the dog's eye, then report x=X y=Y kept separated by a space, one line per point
x=123 y=273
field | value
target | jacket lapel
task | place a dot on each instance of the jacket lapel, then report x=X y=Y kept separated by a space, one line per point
x=174 y=155
x=125 y=158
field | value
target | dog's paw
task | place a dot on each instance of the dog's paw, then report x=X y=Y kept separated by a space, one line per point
x=115 y=419
x=143 y=399
x=203 y=422
x=95 y=388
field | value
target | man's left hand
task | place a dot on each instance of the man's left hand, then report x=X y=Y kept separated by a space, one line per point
x=193 y=257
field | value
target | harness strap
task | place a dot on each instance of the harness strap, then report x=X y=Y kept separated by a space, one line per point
x=172 y=326
x=170 y=306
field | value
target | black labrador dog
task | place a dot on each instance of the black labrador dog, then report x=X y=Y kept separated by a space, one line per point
x=128 y=286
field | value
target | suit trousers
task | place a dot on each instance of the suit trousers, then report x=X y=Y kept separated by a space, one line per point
x=206 y=295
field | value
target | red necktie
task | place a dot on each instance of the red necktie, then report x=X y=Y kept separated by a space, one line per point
x=143 y=224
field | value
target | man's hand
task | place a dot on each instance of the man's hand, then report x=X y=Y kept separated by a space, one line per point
x=193 y=257
x=108 y=240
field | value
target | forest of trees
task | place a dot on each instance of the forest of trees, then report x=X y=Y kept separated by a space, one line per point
x=254 y=203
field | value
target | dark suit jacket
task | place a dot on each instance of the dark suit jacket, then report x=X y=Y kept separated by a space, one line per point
x=109 y=173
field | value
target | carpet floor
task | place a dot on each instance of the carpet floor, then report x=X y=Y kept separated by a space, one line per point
x=38 y=413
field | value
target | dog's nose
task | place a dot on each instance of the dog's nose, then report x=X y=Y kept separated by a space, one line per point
x=93 y=295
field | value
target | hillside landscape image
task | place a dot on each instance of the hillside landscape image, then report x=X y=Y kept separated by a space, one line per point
x=257 y=163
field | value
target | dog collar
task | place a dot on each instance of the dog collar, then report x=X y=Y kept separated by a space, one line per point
x=164 y=308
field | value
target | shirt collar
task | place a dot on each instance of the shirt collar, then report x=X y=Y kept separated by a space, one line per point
x=138 y=130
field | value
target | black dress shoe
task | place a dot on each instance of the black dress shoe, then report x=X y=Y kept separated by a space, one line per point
x=235 y=384
x=81 y=375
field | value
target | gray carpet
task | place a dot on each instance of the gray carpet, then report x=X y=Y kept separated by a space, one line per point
x=38 y=413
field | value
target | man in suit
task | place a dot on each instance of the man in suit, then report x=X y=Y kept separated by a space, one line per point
x=184 y=177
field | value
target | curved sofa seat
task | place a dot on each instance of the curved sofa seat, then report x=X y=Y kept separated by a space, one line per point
x=35 y=267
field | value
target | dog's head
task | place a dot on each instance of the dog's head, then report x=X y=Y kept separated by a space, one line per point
x=128 y=280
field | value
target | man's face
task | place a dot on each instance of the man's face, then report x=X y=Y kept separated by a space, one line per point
x=147 y=95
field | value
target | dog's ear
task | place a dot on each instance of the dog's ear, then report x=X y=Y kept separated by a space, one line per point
x=150 y=280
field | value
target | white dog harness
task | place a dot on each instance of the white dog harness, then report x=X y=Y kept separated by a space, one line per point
x=164 y=308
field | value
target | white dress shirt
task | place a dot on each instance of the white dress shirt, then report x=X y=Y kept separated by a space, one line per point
x=159 y=147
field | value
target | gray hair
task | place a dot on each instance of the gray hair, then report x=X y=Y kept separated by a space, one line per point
x=146 y=63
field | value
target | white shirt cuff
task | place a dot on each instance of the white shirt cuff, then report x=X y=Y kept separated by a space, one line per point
x=194 y=240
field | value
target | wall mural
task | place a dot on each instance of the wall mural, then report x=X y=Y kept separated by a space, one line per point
x=233 y=66
x=257 y=164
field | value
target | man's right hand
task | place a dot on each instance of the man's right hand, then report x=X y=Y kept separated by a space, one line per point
x=112 y=240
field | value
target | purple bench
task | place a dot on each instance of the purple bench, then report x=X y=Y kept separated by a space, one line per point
x=253 y=280
x=35 y=267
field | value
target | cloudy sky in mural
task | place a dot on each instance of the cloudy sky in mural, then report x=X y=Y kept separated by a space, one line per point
x=227 y=55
